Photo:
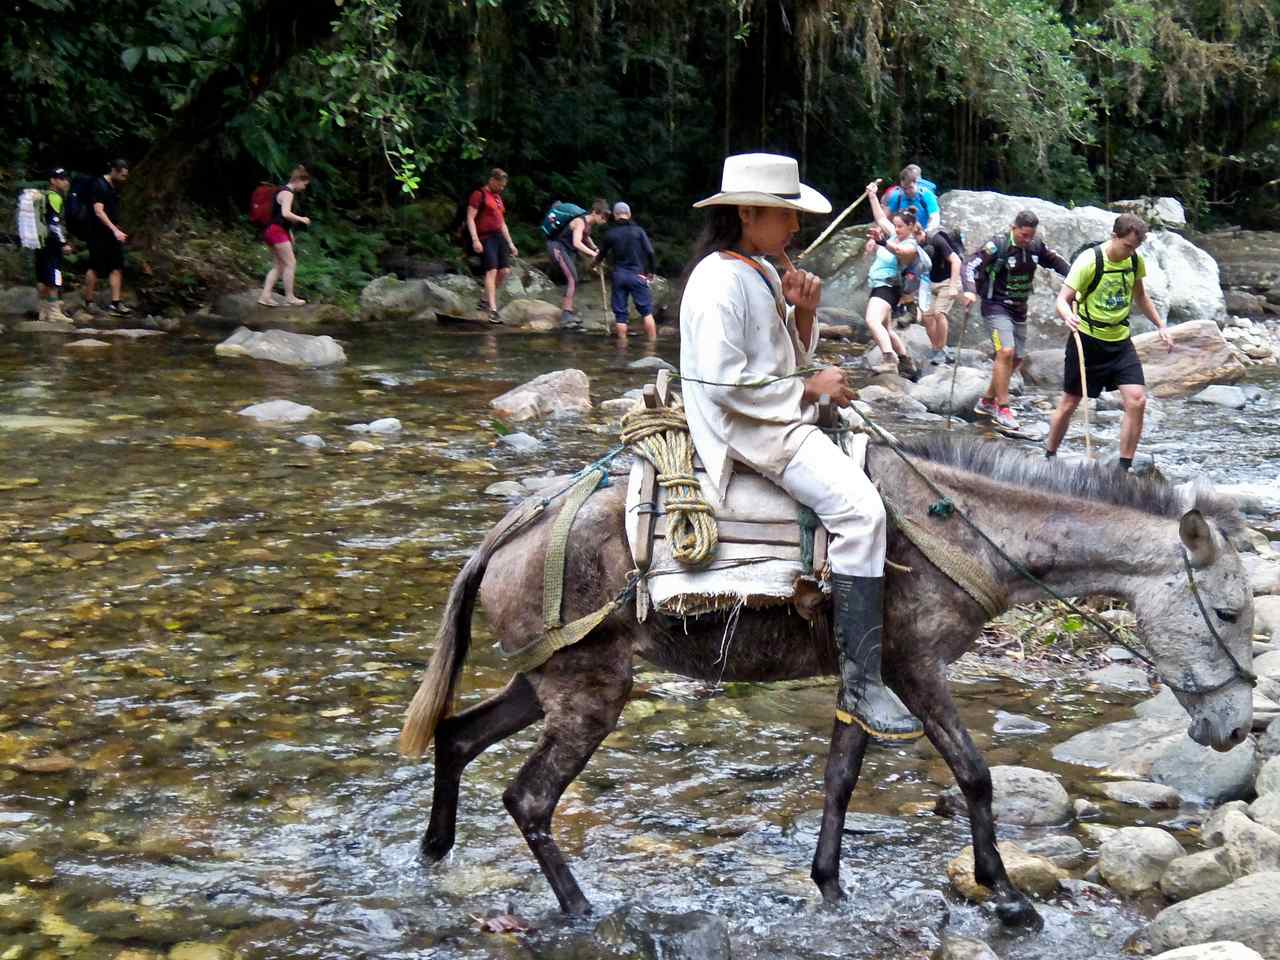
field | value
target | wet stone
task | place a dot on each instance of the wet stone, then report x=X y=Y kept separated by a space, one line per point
x=1134 y=858
x=1031 y=874
x=1062 y=851
x=1016 y=723
x=1204 y=774
x=963 y=948
x=521 y=442
x=505 y=488
x=1021 y=796
x=25 y=866
x=1139 y=793
x=667 y=936
x=1120 y=677
x=314 y=441
x=650 y=363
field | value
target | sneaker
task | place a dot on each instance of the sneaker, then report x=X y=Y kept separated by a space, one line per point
x=569 y=321
x=1004 y=418
x=83 y=317
x=950 y=355
x=985 y=407
x=492 y=317
x=907 y=369
x=119 y=309
x=937 y=357
x=57 y=314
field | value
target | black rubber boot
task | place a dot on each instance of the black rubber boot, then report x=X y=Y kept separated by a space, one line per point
x=859 y=623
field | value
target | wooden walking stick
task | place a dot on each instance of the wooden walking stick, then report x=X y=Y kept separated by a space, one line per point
x=604 y=299
x=833 y=224
x=1084 y=390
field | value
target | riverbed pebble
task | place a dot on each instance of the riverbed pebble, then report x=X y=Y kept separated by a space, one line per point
x=278 y=411
x=1139 y=793
x=963 y=948
x=1030 y=874
x=1218 y=950
x=1134 y=858
x=1017 y=724
x=521 y=442
x=362 y=446
x=1020 y=795
x=385 y=426
x=697 y=935
x=312 y=440
x=1246 y=911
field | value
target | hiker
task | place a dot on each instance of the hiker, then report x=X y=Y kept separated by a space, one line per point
x=278 y=236
x=911 y=194
x=940 y=289
x=487 y=226
x=49 y=255
x=633 y=270
x=566 y=239
x=894 y=246
x=742 y=324
x=106 y=241
x=1096 y=300
x=1006 y=267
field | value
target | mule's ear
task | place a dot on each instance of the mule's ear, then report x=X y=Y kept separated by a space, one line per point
x=1197 y=538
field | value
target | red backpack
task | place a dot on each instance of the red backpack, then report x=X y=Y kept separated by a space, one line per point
x=262 y=204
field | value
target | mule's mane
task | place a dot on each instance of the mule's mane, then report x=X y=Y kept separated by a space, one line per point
x=1006 y=463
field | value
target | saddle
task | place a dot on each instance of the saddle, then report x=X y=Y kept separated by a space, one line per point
x=772 y=550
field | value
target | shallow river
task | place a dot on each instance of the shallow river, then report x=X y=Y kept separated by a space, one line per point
x=206 y=646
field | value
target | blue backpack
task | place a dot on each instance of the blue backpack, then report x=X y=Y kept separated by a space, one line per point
x=895 y=200
x=558 y=217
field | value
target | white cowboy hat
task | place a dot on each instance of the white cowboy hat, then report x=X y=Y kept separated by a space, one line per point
x=765 y=180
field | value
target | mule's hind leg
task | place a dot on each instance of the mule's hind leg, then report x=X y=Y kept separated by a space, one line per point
x=929 y=698
x=583 y=690
x=844 y=763
x=462 y=738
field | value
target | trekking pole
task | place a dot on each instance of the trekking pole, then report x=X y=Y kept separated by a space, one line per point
x=1084 y=390
x=604 y=300
x=832 y=225
x=955 y=367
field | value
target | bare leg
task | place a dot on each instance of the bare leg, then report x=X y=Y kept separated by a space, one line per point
x=621 y=330
x=90 y=286
x=650 y=327
x=277 y=268
x=1001 y=372
x=1135 y=409
x=935 y=324
x=116 y=280
x=878 y=312
x=491 y=288
x=462 y=738
x=1060 y=420
x=288 y=267
x=844 y=763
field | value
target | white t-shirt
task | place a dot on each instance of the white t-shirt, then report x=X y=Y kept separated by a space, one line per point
x=731 y=332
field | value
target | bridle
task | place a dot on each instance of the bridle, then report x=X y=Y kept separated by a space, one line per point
x=1242 y=674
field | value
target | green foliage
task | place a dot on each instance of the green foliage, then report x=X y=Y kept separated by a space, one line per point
x=336 y=260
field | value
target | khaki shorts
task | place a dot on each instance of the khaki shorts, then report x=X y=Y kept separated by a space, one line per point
x=937 y=299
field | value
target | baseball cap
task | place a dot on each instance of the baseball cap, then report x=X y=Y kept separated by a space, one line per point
x=59 y=173
x=621 y=209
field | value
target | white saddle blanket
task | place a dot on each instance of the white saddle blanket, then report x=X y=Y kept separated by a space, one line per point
x=755 y=573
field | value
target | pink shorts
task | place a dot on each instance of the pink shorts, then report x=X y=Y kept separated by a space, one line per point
x=275 y=235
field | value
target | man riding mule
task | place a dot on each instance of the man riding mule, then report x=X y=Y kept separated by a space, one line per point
x=1017 y=524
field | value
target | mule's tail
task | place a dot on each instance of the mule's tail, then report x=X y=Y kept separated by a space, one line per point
x=435 y=694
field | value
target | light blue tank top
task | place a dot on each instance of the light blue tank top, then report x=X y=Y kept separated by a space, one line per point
x=884 y=269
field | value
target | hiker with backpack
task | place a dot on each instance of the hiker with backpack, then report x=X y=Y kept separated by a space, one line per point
x=1006 y=267
x=41 y=227
x=940 y=289
x=633 y=270
x=916 y=194
x=96 y=213
x=892 y=241
x=487 y=227
x=271 y=207
x=567 y=228
x=1095 y=302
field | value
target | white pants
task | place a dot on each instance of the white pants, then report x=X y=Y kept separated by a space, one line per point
x=849 y=506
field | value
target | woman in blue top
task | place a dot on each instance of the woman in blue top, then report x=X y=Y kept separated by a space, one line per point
x=895 y=248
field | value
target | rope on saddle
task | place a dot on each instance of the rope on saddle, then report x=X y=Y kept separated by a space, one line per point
x=961 y=567
x=661 y=436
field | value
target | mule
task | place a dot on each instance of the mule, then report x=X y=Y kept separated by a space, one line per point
x=1080 y=529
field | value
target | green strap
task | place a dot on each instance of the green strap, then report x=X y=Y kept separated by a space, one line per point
x=553 y=564
x=958 y=565
x=537 y=652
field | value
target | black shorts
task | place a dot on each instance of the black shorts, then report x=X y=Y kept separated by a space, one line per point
x=1107 y=365
x=106 y=253
x=495 y=254
x=890 y=295
x=49 y=265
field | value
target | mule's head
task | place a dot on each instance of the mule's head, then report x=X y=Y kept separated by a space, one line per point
x=1180 y=642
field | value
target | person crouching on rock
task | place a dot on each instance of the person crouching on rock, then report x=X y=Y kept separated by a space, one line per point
x=745 y=333
x=278 y=236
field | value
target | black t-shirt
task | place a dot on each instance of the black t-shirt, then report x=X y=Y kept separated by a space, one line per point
x=630 y=247
x=107 y=195
x=939 y=249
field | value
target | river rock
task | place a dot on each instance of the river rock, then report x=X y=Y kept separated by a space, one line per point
x=88 y=345
x=505 y=488
x=1043 y=368
x=618 y=406
x=521 y=442
x=278 y=411
x=1192 y=875
x=1203 y=774
x=1269 y=777
x=1118 y=676
x=650 y=935
x=1218 y=950
x=525 y=280
x=1247 y=847
x=362 y=446
x=314 y=441
x=534 y=316
x=1246 y=911
x=1015 y=724
x=389 y=298
x=1264 y=574
x=650 y=363
x=1181 y=278
x=1157 y=211
x=1247 y=259
x=1266 y=811
x=18 y=301
x=1266 y=616
x=1126 y=749
x=552 y=394
x=281 y=346
x=243 y=309
x=888 y=399
x=1061 y=850
x=384 y=426
x=934 y=390
x=1220 y=395
x=1133 y=860
x=1200 y=356
x=1030 y=874
x=1139 y=793
x=1240 y=303
x=837 y=322
x=1020 y=795
x=1269 y=742
x=45 y=326
x=962 y=948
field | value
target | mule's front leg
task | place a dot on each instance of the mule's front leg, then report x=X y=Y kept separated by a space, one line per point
x=844 y=763
x=930 y=699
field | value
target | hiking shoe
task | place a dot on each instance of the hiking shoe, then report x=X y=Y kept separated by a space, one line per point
x=492 y=317
x=950 y=355
x=1004 y=418
x=569 y=321
x=119 y=309
x=888 y=363
x=985 y=407
x=57 y=314
x=937 y=357
x=82 y=317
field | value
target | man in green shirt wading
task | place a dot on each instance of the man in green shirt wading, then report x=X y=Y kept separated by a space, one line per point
x=1099 y=293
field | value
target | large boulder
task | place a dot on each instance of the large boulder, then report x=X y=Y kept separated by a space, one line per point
x=1246 y=911
x=1181 y=278
x=242 y=309
x=1247 y=847
x=552 y=394
x=934 y=390
x=1247 y=260
x=280 y=346
x=1157 y=211
x=535 y=316
x=1194 y=874
x=1202 y=773
x=1200 y=356
x=390 y=298
x=1133 y=859
x=1020 y=795
x=1126 y=749
x=18 y=301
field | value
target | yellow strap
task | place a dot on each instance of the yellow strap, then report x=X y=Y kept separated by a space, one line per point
x=535 y=654
x=553 y=563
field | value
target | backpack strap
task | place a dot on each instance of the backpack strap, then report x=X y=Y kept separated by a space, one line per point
x=778 y=302
x=997 y=263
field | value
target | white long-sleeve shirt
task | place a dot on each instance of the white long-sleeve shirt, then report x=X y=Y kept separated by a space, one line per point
x=732 y=331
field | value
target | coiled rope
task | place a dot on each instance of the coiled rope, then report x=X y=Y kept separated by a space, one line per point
x=661 y=436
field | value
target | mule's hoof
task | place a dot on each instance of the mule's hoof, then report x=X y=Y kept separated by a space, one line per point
x=581 y=907
x=832 y=892
x=433 y=849
x=1019 y=914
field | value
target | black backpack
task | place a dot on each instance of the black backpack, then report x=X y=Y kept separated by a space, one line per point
x=78 y=211
x=1098 y=266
